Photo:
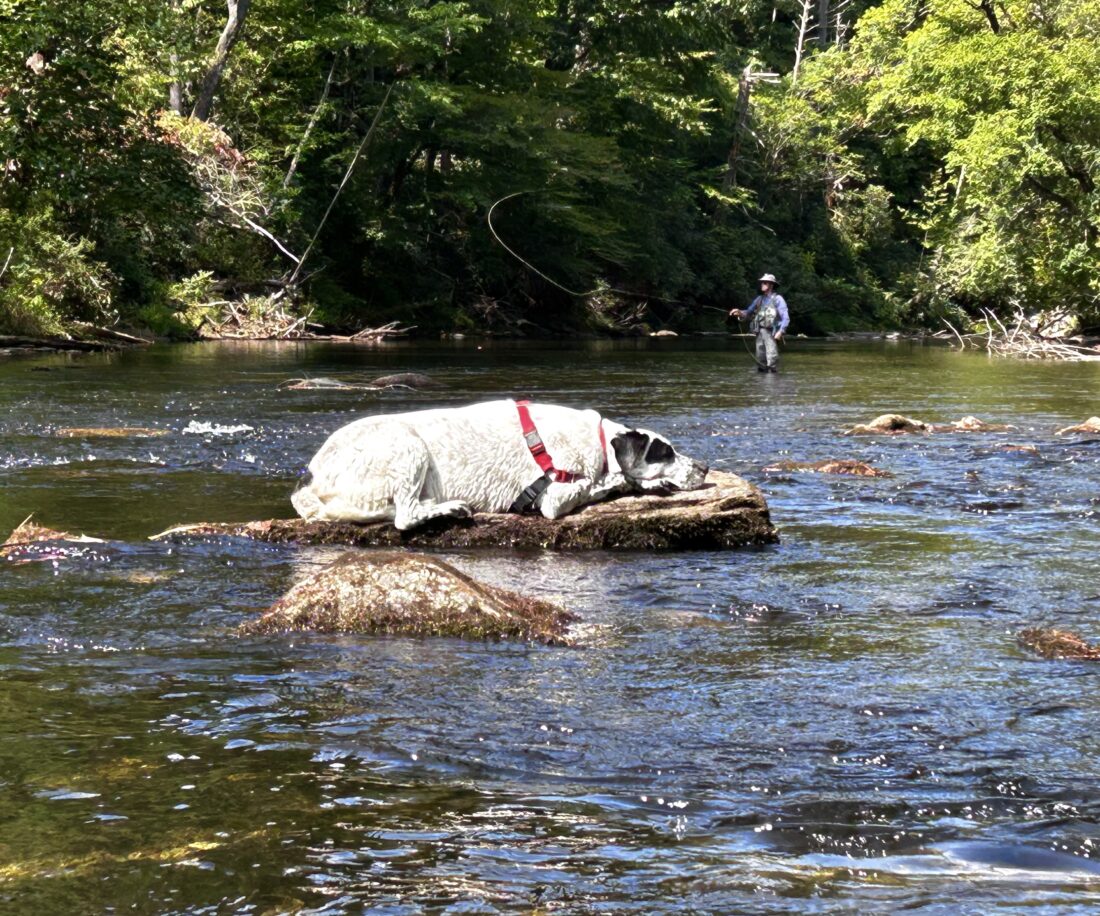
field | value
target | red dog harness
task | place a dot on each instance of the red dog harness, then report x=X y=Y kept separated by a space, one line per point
x=550 y=474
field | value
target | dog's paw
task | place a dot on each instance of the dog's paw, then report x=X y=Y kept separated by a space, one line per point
x=456 y=508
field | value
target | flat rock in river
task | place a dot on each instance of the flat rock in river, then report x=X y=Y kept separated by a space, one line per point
x=726 y=512
x=396 y=593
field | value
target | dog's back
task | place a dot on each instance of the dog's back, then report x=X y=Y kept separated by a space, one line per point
x=475 y=454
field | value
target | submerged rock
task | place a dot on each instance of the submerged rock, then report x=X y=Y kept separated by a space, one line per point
x=846 y=466
x=889 y=424
x=110 y=432
x=400 y=380
x=974 y=425
x=1091 y=425
x=1053 y=643
x=391 y=593
x=313 y=384
x=727 y=512
x=407 y=380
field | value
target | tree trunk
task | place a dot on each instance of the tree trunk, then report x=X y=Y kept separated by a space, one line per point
x=823 y=23
x=800 y=45
x=204 y=104
x=175 y=90
x=744 y=92
x=312 y=123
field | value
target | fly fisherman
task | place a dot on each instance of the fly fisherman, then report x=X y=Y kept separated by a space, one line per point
x=769 y=322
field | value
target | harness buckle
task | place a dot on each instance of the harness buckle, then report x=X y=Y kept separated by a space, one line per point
x=529 y=498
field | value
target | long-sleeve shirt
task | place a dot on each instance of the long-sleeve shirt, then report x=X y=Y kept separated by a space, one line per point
x=780 y=307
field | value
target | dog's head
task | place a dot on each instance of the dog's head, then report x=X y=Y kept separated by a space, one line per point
x=650 y=462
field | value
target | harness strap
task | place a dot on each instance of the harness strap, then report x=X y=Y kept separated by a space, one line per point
x=538 y=447
x=550 y=474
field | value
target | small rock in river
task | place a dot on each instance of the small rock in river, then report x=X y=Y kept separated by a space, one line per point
x=391 y=593
x=845 y=466
x=28 y=535
x=889 y=424
x=407 y=380
x=1052 y=643
x=1091 y=425
x=973 y=425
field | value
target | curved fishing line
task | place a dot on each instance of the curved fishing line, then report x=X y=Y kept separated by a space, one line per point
x=565 y=289
x=599 y=289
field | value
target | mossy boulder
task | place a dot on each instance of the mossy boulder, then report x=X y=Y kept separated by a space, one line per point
x=726 y=512
x=396 y=593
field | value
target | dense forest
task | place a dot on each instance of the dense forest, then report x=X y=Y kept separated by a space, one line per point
x=546 y=164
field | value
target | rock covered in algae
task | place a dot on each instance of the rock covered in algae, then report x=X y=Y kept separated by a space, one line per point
x=1053 y=643
x=726 y=512
x=1091 y=425
x=110 y=432
x=843 y=466
x=394 y=593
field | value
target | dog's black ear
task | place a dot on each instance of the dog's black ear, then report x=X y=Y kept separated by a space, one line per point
x=629 y=448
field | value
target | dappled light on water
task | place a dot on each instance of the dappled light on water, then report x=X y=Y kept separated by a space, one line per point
x=846 y=718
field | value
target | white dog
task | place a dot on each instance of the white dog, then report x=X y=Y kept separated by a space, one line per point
x=491 y=457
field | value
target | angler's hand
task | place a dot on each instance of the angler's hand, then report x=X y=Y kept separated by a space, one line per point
x=737 y=312
x=779 y=335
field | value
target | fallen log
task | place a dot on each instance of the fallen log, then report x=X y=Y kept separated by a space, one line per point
x=727 y=512
x=57 y=343
x=394 y=593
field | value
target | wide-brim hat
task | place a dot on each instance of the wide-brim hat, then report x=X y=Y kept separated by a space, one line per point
x=768 y=278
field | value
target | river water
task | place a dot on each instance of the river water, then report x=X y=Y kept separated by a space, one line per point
x=840 y=723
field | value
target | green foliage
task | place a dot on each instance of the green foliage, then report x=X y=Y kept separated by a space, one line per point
x=48 y=279
x=945 y=158
x=980 y=128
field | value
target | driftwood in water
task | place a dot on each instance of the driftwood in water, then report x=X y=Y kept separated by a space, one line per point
x=1030 y=338
x=396 y=593
x=727 y=512
x=57 y=343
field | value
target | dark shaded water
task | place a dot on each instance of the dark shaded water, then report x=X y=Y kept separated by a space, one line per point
x=842 y=723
